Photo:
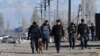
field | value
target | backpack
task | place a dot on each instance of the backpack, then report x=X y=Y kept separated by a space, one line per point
x=45 y=30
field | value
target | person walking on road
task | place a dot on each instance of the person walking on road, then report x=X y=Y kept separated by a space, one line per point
x=45 y=29
x=83 y=30
x=93 y=32
x=72 y=31
x=58 y=33
x=35 y=33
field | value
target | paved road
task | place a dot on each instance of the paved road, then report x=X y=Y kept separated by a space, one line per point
x=24 y=50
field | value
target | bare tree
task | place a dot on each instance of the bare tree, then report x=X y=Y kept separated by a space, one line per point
x=1 y=24
x=1 y=20
x=36 y=17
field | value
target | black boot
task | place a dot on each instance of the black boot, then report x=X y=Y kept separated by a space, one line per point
x=57 y=51
x=32 y=51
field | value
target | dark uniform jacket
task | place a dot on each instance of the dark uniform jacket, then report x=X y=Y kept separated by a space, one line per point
x=57 y=30
x=83 y=29
x=34 y=31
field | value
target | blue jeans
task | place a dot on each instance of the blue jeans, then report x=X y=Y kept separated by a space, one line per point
x=93 y=36
x=46 y=41
x=84 y=40
x=72 y=41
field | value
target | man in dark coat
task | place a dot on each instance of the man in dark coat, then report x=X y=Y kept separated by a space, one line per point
x=83 y=30
x=58 y=33
x=35 y=33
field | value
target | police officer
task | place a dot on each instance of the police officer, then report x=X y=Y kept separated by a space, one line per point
x=45 y=29
x=58 y=33
x=83 y=30
x=35 y=33
x=72 y=31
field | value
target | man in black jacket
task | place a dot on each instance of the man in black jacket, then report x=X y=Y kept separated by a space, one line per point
x=35 y=33
x=58 y=33
x=83 y=30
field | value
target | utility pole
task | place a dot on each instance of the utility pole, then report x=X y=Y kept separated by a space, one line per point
x=49 y=9
x=78 y=16
x=45 y=9
x=41 y=11
x=57 y=16
x=8 y=27
x=69 y=12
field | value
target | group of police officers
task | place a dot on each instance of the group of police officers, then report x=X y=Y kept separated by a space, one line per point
x=57 y=32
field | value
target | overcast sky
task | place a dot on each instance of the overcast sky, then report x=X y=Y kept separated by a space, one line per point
x=14 y=11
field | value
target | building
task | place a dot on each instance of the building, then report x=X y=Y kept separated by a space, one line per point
x=88 y=10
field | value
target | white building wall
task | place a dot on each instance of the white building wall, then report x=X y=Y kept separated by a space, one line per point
x=88 y=10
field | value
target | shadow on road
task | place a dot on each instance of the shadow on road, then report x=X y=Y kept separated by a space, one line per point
x=64 y=46
x=18 y=52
